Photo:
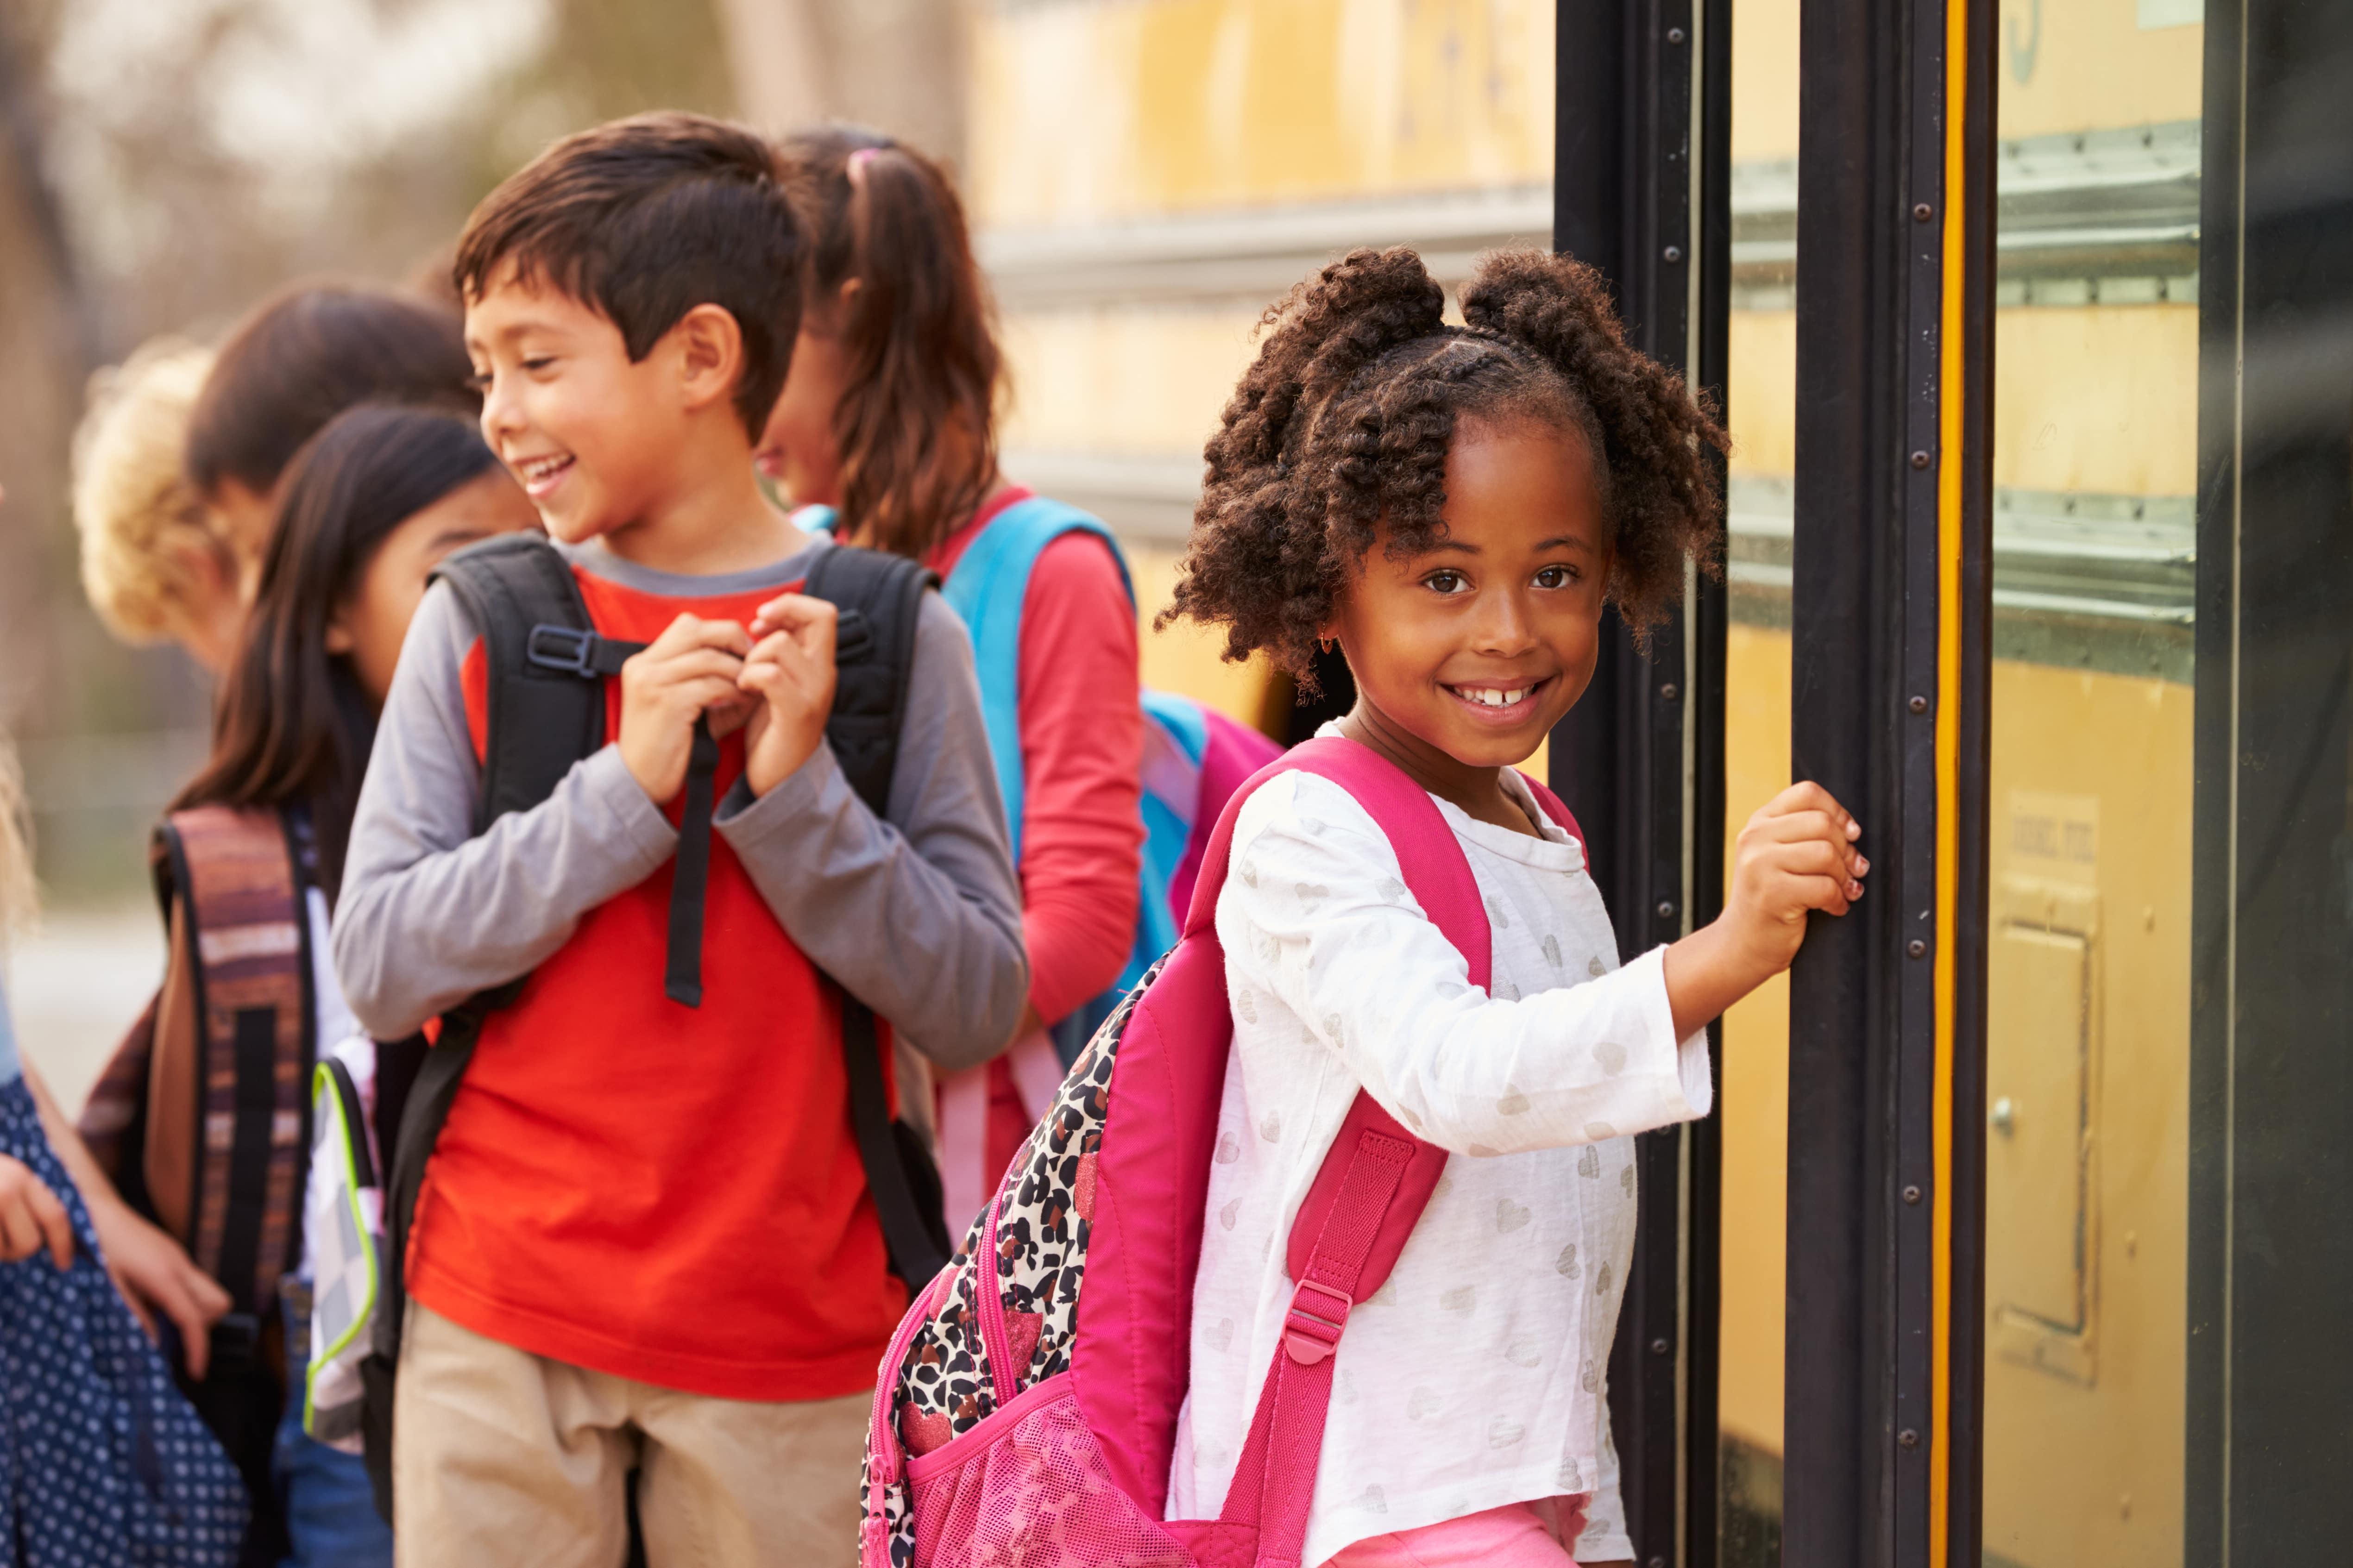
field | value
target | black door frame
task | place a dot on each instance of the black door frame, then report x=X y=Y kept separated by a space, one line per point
x=1642 y=190
x=1891 y=610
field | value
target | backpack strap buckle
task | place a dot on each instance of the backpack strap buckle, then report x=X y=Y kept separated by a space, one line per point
x=566 y=649
x=577 y=652
x=1312 y=1326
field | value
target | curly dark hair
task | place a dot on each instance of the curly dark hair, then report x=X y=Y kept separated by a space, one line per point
x=1343 y=424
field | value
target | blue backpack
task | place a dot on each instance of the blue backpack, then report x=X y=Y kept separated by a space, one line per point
x=1190 y=753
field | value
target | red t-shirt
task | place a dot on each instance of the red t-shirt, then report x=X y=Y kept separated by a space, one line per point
x=663 y=1193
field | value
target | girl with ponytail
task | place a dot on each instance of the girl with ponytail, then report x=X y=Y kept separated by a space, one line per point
x=888 y=420
x=1452 y=506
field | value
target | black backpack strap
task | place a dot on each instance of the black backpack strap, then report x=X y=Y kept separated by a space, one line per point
x=547 y=664
x=546 y=709
x=545 y=712
x=909 y=1204
x=879 y=601
x=440 y=1071
x=690 y=871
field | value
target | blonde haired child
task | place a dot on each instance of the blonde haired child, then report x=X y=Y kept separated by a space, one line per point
x=156 y=562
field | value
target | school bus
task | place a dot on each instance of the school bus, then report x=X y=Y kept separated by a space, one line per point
x=1148 y=174
x=1147 y=178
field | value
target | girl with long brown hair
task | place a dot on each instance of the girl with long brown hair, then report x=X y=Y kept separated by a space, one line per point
x=889 y=417
x=372 y=505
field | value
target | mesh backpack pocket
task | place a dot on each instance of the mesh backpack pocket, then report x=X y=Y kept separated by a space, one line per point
x=343 y=1237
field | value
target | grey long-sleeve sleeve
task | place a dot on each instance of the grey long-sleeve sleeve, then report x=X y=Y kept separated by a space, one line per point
x=917 y=914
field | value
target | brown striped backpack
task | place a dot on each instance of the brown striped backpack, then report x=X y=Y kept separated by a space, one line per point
x=201 y=1117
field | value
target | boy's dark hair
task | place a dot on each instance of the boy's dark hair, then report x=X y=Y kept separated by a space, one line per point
x=643 y=219
x=1343 y=424
x=294 y=724
x=916 y=430
x=304 y=355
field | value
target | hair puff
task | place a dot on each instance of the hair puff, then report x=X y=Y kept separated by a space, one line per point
x=1338 y=434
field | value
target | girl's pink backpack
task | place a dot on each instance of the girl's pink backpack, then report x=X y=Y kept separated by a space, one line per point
x=1026 y=1410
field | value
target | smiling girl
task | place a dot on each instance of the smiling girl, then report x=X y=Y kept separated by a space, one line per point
x=1452 y=506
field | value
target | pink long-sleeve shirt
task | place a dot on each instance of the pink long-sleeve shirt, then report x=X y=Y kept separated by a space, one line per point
x=1081 y=744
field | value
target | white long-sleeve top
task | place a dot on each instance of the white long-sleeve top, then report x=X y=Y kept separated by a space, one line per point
x=1475 y=1377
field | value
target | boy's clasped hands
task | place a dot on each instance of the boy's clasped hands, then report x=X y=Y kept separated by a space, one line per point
x=776 y=677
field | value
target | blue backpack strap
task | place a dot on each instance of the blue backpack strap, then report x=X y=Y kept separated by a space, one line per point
x=1176 y=732
x=987 y=589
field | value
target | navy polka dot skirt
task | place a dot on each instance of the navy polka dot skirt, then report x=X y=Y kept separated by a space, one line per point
x=102 y=1461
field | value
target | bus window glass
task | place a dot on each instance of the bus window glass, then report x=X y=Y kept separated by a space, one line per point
x=2088 y=1014
x=2171 y=866
x=1760 y=397
x=2267 y=1441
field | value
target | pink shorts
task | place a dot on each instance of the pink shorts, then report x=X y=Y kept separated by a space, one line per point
x=1512 y=1536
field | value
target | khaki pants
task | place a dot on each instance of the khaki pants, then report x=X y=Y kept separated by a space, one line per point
x=502 y=1456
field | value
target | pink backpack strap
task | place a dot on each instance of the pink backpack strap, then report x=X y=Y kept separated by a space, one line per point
x=1375 y=1181
x=1554 y=808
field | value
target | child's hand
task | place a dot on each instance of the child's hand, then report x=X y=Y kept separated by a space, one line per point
x=791 y=667
x=31 y=1217
x=691 y=667
x=155 y=1277
x=1798 y=854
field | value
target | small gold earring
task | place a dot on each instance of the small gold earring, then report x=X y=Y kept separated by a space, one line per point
x=1324 y=643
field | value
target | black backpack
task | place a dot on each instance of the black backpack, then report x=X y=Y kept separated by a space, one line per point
x=547 y=664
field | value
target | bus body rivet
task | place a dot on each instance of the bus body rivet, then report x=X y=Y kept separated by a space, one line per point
x=1908 y=1438
x=1919 y=705
x=1917 y=948
x=1666 y=909
x=1910 y=1194
x=1668 y=693
x=1658 y=1347
x=1673 y=253
x=1675 y=35
x=1922 y=211
x=1919 y=459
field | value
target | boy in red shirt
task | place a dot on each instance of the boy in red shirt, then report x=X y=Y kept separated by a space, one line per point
x=645 y=1237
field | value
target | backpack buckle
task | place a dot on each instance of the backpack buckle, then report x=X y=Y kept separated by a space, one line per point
x=566 y=649
x=1312 y=1328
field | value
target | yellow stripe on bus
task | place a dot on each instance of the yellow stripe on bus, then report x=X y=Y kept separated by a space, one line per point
x=1950 y=404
